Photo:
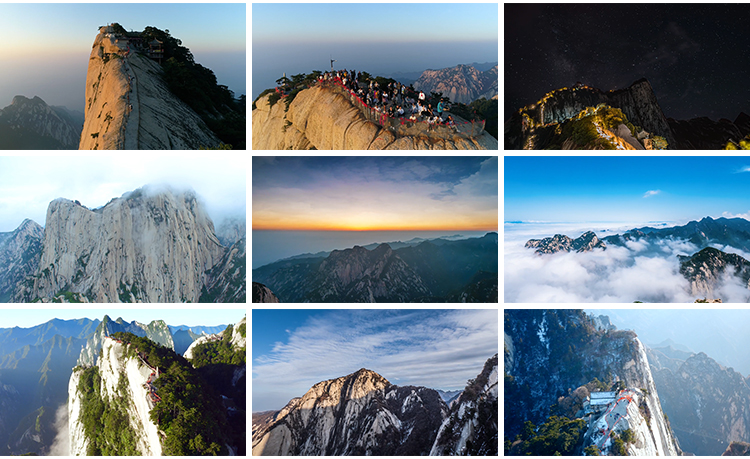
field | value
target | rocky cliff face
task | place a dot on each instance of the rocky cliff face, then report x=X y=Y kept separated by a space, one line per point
x=462 y=83
x=704 y=270
x=552 y=351
x=262 y=294
x=31 y=123
x=358 y=414
x=560 y=243
x=19 y=256
x=706 y=134
x=471 y=426
x=146 y=246
x=111 y=366
x=128 y=105
x=227 y=281
x=321 y=118
x=708 y=405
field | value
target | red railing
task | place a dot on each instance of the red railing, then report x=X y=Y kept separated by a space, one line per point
x=405 y=126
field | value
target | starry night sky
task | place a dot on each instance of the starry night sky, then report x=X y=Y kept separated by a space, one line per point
x=696 y=57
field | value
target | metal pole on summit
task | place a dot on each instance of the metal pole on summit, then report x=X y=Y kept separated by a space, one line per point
x=332 y=61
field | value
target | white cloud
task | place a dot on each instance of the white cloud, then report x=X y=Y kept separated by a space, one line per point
x=650 y=193
x=638 y=271
x=743 y=169
x=439 y=349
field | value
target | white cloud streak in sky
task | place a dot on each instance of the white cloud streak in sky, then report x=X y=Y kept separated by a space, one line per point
x=438 y=349
x=650 y=193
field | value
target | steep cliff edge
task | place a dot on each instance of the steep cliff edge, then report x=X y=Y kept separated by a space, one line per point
x=128 y=105
x=117 y=377
x=548 y=353
x=149 y=245
x=471 y=427
x=321 y=118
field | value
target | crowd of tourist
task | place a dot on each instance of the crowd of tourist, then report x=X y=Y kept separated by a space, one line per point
x=394 y=99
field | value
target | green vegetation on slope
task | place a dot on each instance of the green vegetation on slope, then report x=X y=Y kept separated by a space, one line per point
x=197 y=86
x=557 y=436
x=105 y=421
x=190 y=413
x=220 y=351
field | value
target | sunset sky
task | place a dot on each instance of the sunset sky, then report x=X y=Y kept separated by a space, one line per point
x=45 y=47
x=375 y=193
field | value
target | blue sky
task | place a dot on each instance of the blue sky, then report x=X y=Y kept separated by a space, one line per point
x=295 y=349
x=29 y=183
x=616 y=189
x=184 y=315
x=377 y=38
x=46 y=47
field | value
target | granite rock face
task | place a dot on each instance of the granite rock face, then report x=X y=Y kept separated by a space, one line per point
x=129 y=106
x=358 y=414
x=262 y=294
x=147 y=246
x=19 y=256
x=323 y=119
x=462 y=83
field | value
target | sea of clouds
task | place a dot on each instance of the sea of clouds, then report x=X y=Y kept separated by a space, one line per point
x=638 y=271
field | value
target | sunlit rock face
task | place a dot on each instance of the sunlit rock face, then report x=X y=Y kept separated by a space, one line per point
x=323 y=119
x=358 y=414
x=147 y=246
x=128 y=105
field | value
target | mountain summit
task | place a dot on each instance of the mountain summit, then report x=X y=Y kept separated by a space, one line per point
x=129 y=105
x=150 y=245
x=32 y=124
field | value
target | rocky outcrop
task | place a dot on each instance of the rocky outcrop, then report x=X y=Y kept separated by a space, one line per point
x=231 y=230
x=129 y=106
x=737 y=448
x=471 y=426
x=561 y=243
x=358 y=414
x=323 y=119
x=462 y=83
x=111 y=366
x=32 y=124
x=147 y=246
x=227 y=281
x=262 y=294
x=19 y=256
x=201 y=340
x=704 y=270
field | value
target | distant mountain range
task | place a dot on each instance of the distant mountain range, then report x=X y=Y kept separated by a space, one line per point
x=430 y=271
x=462 y=83
x=31 y=124
x=36 y=365
x=559 y=120
x=703 y=269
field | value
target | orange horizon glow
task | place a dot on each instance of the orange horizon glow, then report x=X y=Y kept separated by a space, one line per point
x=403 y=228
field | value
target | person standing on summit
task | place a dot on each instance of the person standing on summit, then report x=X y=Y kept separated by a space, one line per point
x=421 y=96
x=440 y=110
